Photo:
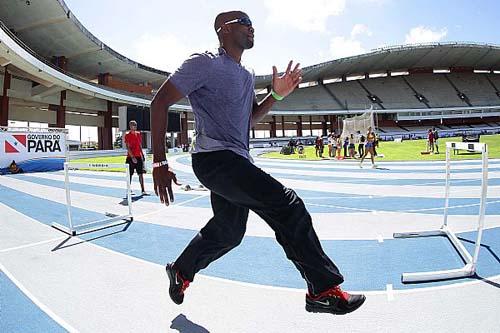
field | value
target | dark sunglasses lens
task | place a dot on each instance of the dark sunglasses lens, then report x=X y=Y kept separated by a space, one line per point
x=245 y=21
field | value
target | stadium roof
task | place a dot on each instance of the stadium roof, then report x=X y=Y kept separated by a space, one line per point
x=50 y=29
x=403 y=58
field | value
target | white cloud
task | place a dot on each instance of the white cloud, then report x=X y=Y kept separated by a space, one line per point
x=341 y=47
x=310 y=15
x=360 y=29
x=422 y=34
x=165 y=52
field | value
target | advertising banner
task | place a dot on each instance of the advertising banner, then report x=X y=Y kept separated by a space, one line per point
x=32 y=150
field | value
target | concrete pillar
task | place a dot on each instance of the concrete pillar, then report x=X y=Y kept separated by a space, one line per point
x=283 y=126
x=184 y=128
x=273 y=127
x=332 y=122
x=299 y=126
x=311 y=124
x=105 y=133
x=324 y=124
x=4 y=104
x=60 y=111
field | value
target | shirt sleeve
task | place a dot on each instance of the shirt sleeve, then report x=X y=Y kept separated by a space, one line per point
x=191 y=75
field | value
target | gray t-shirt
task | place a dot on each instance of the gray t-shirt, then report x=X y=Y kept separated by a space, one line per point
x=221 y=95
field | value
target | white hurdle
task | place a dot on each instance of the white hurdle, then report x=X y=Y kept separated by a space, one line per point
x=469 y=269
x=113 y=220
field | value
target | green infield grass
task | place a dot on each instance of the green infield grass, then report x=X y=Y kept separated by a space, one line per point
x=406 y=150
x=391 y=151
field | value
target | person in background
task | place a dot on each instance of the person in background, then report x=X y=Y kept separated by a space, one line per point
x=14 y=168
x=436 y=137
x=352 y=146
x=370 y=143
x=135 y=157
x=318 y=145
x=346 y=145
x=361 y=144
x=339 y=147
x=430 y=140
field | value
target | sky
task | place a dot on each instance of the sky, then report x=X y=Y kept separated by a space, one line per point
x=162 y=33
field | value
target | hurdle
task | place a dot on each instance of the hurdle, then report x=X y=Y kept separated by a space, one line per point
x=112 y=220
x=469 y=269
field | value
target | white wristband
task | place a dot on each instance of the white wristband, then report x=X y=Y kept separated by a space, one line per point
x=159 y=164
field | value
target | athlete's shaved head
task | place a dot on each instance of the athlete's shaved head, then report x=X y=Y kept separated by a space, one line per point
x=234 y=27
x=227 y=16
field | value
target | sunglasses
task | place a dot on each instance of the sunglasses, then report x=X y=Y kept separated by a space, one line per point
x=242 y=20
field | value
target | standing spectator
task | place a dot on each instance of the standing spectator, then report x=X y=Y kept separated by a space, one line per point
x=370 y=143
x=135 y=157
x=436 y=137
x=375 y=144
x=430 y=140
x=352 y=146
x=339 y=147
x=331 y=145
x=361 y=144
x=318 y=145
x=346 y=145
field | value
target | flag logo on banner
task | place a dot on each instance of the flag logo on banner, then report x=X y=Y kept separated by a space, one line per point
x=14 y=143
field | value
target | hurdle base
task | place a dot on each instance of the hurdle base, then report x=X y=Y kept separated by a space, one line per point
x=414 y=234
x=95 y=226
x=466 y=271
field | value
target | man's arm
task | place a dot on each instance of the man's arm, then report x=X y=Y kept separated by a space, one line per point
x=282 y=85
x=166 y=96
x=262 y=108
x=163 y=176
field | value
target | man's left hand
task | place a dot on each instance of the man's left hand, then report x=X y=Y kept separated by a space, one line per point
x=286 y=83
x=162 y=182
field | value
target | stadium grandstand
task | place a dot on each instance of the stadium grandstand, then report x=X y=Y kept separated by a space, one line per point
x=54 y=71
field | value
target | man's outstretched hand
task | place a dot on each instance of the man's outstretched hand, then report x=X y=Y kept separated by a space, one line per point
x=284 y=84
x=162 y=183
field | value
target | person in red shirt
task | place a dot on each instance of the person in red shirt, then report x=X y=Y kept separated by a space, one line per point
x=135 y=157
x=430 y=140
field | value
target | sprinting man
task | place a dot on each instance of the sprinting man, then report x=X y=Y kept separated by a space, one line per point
x=135 y=156
x=369 y=148
x=221 y=92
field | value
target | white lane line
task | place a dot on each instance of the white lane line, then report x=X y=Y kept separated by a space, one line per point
x=390 y=292
x=32 y=244
x=37 y=302
x=165 y=207
x=438 y=208
x=192 y=199
x=339 y=207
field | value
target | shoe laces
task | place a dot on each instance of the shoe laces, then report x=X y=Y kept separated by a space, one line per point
x=333 y=292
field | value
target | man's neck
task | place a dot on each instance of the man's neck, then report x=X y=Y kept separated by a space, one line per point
x=234 y=52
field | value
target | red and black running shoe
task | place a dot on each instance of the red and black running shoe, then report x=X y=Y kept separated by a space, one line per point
x=177 y=284
x=334 y=301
